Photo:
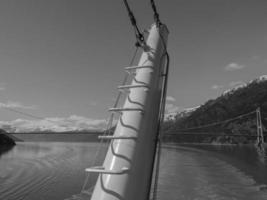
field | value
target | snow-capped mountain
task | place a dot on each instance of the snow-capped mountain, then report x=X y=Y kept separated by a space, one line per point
x=260 y=79
x=242 y=99
x=184 y=113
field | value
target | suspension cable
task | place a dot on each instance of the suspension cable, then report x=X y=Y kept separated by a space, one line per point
x=156 y=14
x=217 y=123
x=139 y=36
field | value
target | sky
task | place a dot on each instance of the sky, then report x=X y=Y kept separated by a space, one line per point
x=63 y=59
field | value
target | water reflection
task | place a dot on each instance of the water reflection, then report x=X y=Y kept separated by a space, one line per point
x=4 y=149
x=261 y=153
x=212 y=172
x=51 y=171
x=55 y=171
x=248 y=158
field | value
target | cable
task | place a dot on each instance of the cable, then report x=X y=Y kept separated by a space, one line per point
x=216 y=123
x=156 y=14
x=23 y=113
x=109 y=124
x=139 y=36
x=157 y=154
x=29 y=115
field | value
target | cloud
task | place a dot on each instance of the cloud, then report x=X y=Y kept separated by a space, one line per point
x=170 y=99
x=13 y=104
x=217 y=87
x=56 y=124
x=236 y=83
x=233 y=67
x=171 y=108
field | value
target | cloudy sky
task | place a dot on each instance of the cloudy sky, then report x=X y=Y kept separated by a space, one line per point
x=63 y=59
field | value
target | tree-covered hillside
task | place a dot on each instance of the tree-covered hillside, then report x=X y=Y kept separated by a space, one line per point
x=231 y=104
x=5 y=140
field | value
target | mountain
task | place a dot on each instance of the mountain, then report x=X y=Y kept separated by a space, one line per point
x=176 y=115
x=232 y=103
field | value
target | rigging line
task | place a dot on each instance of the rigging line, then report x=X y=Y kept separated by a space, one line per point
x=156 y=14
x=23 y=113
x=93 y=162
x=161 y=117
x=110 y=122
x=32 y=116
x=216 y=123
x=159 y=138
x=139 y=36
x=29 y=115
x=125 y=78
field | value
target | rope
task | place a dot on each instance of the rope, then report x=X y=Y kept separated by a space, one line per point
x=139 y=36
x=109 y=124
x=217 y=123
x=156 y=14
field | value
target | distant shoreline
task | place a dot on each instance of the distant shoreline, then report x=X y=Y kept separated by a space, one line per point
x=56 y=137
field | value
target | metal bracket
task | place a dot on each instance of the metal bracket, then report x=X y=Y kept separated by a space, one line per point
x=138 y=67
x=102 y=170
x=126 y=109
x=111 y=137
x=133 y=86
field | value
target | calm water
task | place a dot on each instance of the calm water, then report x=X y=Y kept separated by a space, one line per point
x=55 y=171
